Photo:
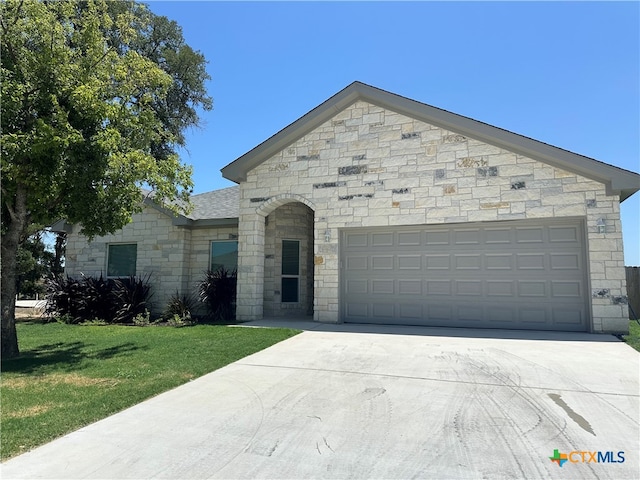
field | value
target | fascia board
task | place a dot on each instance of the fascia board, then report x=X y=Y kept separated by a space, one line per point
x=215 y=222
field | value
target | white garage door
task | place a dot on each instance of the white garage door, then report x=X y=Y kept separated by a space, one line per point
x=516 y=274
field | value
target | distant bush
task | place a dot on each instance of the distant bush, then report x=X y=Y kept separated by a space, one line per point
x=89 y=298
x=217 y=290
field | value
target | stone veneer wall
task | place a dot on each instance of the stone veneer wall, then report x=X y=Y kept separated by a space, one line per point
x=371 y=167
x=293 y=221
x=200 y=254
x=162 y=254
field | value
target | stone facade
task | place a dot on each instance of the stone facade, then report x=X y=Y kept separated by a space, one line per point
x=175 y=258
x=368 y=166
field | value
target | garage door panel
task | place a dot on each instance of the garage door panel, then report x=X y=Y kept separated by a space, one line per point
x=566 y=289
x=519 y=274
x=564 y=234
x=532 y=288
x=358 y=310
x=356 y=240
x=383 y=311
x=468 y=261
x=357 y=263
x=467 y=237
x=527 y=235
x=382 y=287
x=469 y=313
x=536 y=316
x=439 y=312
x=382 y=262
x=382 y=239
x=409 y=238
x=410 y=311
x=409 y=262
x=498 y=236
x=410 y=287
x=438 y=287
x=437 y=262
x=530 y=261
x=501 y=314
x=498 y=261
x=468 y=288
x=357 y=286
x=498 y=288
x=564 y=261
x=437 y=238
x=563 y=316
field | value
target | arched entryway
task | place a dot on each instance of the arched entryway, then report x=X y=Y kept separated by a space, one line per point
x=275 y=259
x=288 y=261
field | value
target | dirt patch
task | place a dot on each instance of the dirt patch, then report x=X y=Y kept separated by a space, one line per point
x=29 y=412
x=23 y=312
x=57 y=379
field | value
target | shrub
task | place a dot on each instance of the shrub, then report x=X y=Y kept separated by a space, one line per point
x=182 y=306
x=96 y=299
x=142 y=319
x=177 y=321
x=114 y=301
x=131 y=297
x=63 y=299
x=217 y=290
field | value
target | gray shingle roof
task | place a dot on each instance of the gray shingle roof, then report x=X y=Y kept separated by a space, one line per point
x=223 y=203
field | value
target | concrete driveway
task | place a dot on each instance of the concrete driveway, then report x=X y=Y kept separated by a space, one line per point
x=378 y=402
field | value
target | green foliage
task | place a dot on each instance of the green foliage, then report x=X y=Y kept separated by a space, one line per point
x=633 y=338
x=70 y=376
x=35 y=263
x=142 y=319
x=96 y=97
x=181 y=306
x=217 y=290
x=177 y=321
x=90 y=298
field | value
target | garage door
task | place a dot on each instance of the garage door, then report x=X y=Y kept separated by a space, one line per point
x=516 y=274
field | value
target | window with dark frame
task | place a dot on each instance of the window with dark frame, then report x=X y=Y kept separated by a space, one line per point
x=121 y=259
x=224 y=254
x=290 y=291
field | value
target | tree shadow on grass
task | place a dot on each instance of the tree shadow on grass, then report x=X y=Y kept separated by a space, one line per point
x=62 y=355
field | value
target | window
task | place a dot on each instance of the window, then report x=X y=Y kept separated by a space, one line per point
x=121 y=259
x=290 y=271
x=225 y=255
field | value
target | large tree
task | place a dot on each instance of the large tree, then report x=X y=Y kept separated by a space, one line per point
x=96 y=97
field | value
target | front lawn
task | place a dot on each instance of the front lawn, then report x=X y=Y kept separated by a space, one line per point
x=633 y=339
x=69 y=376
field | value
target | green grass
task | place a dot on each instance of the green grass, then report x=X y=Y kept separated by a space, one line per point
x=633 y=339
x=68 y=376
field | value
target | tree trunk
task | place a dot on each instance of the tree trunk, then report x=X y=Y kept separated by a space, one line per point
x=10 y=242
x=61 y=244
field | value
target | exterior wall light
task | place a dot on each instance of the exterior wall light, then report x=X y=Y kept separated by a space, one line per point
x=327 y=235
x=602 y=225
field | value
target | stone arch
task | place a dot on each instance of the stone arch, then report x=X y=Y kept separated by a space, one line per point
x=287 y=218
x=274 y=202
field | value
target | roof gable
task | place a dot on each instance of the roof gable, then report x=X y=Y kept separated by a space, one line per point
x=617 y=180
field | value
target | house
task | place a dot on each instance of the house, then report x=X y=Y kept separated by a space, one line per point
x=374 y=208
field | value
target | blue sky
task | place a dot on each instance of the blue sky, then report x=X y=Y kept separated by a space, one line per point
x=563 y=73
